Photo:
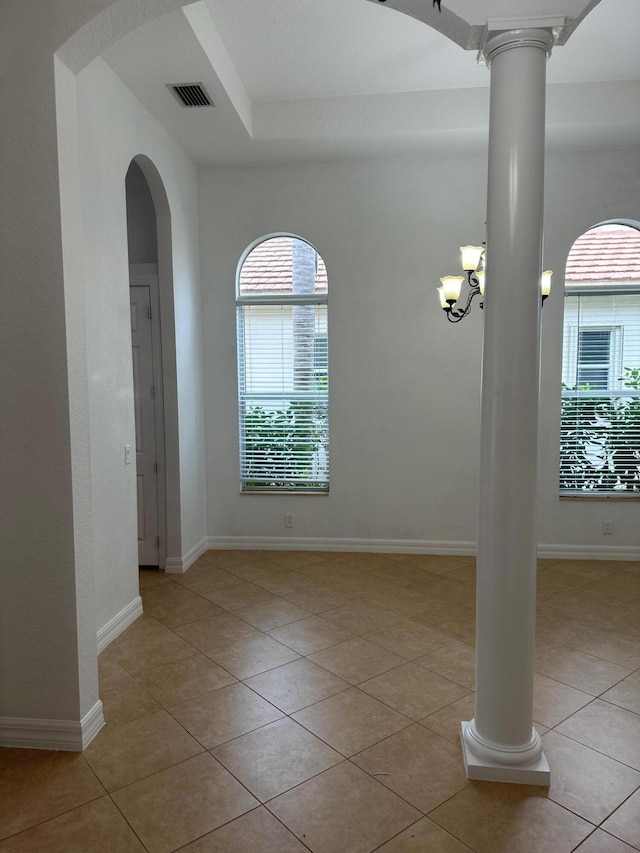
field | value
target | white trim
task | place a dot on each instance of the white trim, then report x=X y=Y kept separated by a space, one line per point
x=413 y=546
x=389 y=546
x=114 y=627
x=589 y=552
x=69 y=735
x=178 y=565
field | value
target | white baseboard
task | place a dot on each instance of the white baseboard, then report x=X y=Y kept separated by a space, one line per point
x=69 y=735
x=114 y=627
x=589 y=552
x=179 y=565
x=302 y=543
x=411 y=546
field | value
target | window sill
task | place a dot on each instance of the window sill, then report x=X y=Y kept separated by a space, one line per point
x=289 y=492
x=600 y=496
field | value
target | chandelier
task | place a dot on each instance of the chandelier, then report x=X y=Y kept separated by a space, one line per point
x=473 y=265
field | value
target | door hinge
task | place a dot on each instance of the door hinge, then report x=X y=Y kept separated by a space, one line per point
x=157 y=542
x=153 y=390
x=155 y=467
x=149 y=314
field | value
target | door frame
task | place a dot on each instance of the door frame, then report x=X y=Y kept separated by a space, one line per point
x=146 y=275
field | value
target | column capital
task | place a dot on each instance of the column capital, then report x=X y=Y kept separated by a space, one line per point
x=497 y=41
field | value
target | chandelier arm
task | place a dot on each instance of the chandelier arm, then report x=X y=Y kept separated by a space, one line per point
x=455 y=315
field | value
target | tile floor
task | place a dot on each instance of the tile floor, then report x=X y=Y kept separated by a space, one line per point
x=281 y=702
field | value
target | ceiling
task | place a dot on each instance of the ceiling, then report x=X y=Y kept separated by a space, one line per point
x=323 y=79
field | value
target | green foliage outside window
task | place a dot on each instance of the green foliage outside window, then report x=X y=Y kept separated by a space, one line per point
x=282 y=447
x=600 y=439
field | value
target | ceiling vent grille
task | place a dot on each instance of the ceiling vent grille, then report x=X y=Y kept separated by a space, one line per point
x=190 y=94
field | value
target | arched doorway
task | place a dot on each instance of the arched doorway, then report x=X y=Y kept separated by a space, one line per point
x=153 y=342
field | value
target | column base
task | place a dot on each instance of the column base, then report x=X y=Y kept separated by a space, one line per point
x=487 y=770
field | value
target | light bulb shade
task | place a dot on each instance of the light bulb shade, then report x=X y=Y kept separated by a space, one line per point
x=443 y=301
x=480 y=276
x=470 y=257
x=451 y=287
x=545 y=282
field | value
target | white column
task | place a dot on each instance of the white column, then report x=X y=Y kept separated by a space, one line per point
x=500 y=743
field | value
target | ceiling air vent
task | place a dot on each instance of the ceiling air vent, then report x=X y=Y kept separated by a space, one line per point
x=190 y=94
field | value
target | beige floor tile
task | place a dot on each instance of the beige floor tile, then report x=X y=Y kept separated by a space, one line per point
x=225 y=559
x=256 y=568
x=124 y=704
x=318 y=598
x=343 y=809
x=11 y=757
x=408 y=639
x=176 y=682
x=554 y=702
x=420 y=766
x=206 y=578
x=43 y=787
x=148 y=578
x=501 y=818
x=425 y=836
x=275 y=758
x=602 y=842
x=224 y=714
x=626 y=694
x=361 y=618
x=625 y=822
x=159 y=596
x=255 y=832
x=455 y=661
x=243 y=594
x=607 y=729
x=609 y=646
x=272 y=614
x=455 y=621
x=413 y=690
x=403 y=602
x=296 y=560
x=463 y=574
x=186 y=610
x=590 y=569
x=178 y=805
x=284 y=582
x=140 y=652
x=97 y=827
x=364 y=561
x=357 y=660
x=584 y=781
x=252 y=656
x=129 y=752
x=582 y=671
x=218 y=631
x=310 y=635
x=112 y=676
x=295 y=685
x=403 y=574
x=434 y=563
x=446 y=721
x=351 y=721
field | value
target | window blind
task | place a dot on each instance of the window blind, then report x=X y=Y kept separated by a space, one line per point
x=600 y=410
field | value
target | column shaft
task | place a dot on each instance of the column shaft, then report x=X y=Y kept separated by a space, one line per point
x=502 y=733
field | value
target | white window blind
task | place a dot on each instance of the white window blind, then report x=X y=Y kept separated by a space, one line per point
x=600 y=412
x=283 y=369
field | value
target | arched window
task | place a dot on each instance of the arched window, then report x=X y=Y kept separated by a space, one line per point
x=600 y=423
x=283 y=368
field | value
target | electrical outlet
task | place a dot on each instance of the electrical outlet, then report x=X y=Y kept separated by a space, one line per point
x=127 y=454
x=607 y=528
x=288 y=520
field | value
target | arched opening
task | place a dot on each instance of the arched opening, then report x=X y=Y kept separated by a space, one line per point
x=600 y=411
x=153 y=358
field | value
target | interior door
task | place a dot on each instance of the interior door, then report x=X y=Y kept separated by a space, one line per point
x=146 y=444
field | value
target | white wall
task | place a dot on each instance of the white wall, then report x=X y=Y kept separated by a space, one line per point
x=404 y=399
x=113 y=128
